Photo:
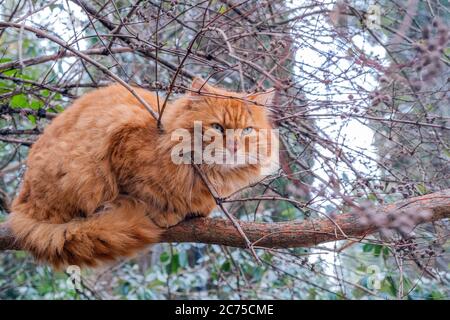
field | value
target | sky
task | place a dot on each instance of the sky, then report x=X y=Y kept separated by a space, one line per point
x=352 y=132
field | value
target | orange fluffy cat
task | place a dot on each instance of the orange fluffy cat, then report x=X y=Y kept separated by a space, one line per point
x=101 y=183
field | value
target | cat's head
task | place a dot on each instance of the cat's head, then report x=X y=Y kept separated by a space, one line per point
x=234 y=128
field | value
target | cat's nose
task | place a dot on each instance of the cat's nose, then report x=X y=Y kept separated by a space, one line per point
x=233 y=148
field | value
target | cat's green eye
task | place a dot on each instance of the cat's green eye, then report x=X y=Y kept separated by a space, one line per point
x=247 y=130
x=218 y=127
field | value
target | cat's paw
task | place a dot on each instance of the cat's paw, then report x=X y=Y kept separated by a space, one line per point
x=167 y=220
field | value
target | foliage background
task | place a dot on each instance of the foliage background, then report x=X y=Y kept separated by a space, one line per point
x=363 y=111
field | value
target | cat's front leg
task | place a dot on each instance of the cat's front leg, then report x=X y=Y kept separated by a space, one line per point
x=166 y=220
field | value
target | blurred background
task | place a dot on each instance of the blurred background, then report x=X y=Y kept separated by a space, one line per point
x=363 y=107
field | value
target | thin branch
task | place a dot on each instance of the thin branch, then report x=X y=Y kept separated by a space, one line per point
x=80 y=54
x=60 y=54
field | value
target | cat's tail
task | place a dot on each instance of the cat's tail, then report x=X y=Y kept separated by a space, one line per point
x=120 y=230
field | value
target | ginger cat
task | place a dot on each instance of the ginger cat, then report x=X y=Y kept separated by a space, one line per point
x=101 y=183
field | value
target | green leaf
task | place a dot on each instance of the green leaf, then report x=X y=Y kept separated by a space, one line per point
x=367 y=247
x=32 y=118
x=447 y=152
x=377 y=250
x=11 y=73
x=289 y=213
x=393 y=287
x=20 y=254
x=386 y=21
x=436 y=295
x=372 y=197
x=19 y=101
x=388 y=287
x=312 y=294
x=421 y=188
x=386 y=252
x=222 y=9
x=174 y=264
x=36 y=104
x=21 y=278
x=164 y=257
x=447 y=51
x=226 y=266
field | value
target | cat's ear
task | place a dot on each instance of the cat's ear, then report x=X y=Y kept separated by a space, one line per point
x=263 y=98
x=199 y=86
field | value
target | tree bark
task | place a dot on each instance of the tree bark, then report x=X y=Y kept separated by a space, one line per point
x=306 y=233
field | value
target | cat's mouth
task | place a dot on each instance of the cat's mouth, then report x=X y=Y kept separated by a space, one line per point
x=221 y=158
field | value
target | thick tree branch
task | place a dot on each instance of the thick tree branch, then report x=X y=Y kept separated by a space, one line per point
x=284 y=234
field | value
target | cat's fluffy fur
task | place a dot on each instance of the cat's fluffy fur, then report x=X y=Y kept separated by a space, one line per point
x=100 y=182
